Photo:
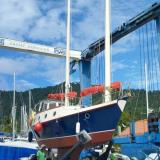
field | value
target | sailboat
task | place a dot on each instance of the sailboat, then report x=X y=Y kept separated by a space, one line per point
x=56 y=124
x=17 y=147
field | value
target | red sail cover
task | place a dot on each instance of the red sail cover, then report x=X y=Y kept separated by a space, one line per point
x=99 y=89
x=60 y=96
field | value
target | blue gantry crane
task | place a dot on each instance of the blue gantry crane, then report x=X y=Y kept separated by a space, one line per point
x=150 y=14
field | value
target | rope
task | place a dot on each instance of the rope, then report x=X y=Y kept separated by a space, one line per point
x=143 y=50
x=152 y=54
x=140 y=49
x=155 y=38
x=148 y=57
x=144 y=60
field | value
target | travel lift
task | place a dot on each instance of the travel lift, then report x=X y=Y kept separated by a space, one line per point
x=84 y=57
x=83 y=138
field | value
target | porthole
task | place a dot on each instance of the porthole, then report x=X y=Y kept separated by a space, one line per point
x=45 y=115
x=87 y=115
x=54 y=113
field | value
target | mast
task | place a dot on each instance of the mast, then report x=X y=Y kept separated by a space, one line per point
x=21 y=120
x=30 y=110
x=146 y=85
x=107 y=52
x=13 y=108
x=67 y=83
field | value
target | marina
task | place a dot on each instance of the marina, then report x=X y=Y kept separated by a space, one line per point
x=102 y=116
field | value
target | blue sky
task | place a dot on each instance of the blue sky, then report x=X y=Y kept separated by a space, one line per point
x=43 y=21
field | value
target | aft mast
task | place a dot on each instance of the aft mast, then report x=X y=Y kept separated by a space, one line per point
x=67 y=83
x=13 y=109
x=107 y=52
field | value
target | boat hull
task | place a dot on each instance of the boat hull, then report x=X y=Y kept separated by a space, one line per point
x=66 y=142
x=100 y=123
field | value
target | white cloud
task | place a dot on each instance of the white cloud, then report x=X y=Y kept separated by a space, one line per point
x=52 y=70
x=126 y=45
x=43 y=21
x=116 y=66
x=22 y=85
x=4 y=85
x=20 y=65
x=91 y=26
x=17 y=17
x=49 y=27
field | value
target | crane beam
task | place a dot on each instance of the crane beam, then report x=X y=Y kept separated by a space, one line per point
x=37 y=49
x=126 y=28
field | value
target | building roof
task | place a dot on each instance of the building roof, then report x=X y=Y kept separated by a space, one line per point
x=141 y=126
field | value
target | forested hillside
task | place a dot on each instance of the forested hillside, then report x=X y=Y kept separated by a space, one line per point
x=22 y=98
x=135 y=108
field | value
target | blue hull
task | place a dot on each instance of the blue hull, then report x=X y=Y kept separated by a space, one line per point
x=97 y=120
x=15 y=153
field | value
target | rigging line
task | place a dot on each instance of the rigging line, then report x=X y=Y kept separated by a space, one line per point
x=155 y=38
x=155 y=78
x=135 y=109
x=148 y=57
x=141 y=68
x=140 y=49
x=101 y=13
x=152 y=65
x=111 y=48
x=143 y=57
x=32 y=99
x=96 y=60
x=144 y=61
x=21 y=98
x=151 y=60
x=10 y=95
x=152 y=54
x=99 y=68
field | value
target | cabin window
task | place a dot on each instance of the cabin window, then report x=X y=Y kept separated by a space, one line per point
x=44 y=107
x=52 y=105
x=40 y=106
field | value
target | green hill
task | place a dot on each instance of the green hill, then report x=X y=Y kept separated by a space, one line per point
x=38 y=94
x=135 y=108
